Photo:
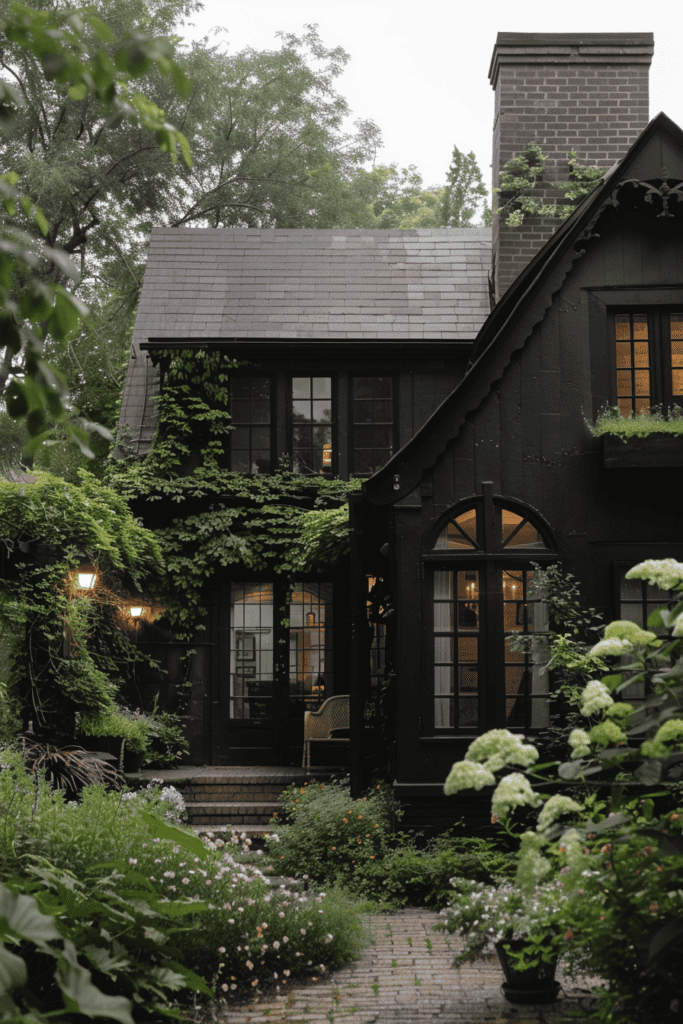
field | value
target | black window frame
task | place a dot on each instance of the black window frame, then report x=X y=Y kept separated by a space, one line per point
x=311 y=372
x=659 y=345
x=359 y=374
x=249 y=373
x=486 y=558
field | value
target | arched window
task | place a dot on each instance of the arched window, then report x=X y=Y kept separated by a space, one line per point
x=480 y=574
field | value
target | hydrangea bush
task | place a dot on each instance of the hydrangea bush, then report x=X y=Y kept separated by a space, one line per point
x=615 y=858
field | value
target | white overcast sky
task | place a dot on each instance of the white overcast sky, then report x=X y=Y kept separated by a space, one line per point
x=420 y=70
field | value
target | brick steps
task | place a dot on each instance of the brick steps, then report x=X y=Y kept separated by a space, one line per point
x=241 y=799
x=242 y=814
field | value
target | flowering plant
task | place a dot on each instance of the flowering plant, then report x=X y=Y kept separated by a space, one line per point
x=619 y=864
x=487 y=916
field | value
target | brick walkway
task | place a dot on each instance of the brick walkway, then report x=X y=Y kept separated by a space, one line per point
x=406 y=977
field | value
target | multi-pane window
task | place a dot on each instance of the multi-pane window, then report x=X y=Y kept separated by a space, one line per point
x=312 y=452
x=251 y=438
x=483 y=606
x=372 y=423
x=260 y=685
x=649 y=360
x=251 y=650
x=310 y=643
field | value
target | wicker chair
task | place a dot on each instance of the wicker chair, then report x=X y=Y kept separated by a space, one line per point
x=318 y=725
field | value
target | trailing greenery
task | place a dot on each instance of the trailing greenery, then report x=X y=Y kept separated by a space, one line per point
x=524 y=173
x=326 y=835
x=281 y=522
x=655 y=421
x=67 y=653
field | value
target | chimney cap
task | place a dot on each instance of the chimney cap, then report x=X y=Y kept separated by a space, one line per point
x=570 y=48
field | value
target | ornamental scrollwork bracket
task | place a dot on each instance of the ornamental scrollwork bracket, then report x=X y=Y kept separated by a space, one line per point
x=664 y=192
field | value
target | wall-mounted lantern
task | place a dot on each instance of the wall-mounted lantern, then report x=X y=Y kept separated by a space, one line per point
x=136 y=611
x=86 y=580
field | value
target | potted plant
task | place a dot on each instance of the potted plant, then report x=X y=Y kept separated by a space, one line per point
x=527 y=931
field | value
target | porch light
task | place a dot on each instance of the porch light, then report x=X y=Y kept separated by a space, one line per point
x=87 y=580
x=136 y=611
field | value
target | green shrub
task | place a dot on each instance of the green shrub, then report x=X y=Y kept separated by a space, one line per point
x=103 y=826
x=131 y=728
x=104 y=946
x=333 y=839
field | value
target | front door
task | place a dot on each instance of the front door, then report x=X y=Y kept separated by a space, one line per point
x=275 y=663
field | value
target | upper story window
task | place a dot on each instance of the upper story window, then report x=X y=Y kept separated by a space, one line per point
x=648 y=349
x=312 y=444
x=372 y=423
x=251 y=441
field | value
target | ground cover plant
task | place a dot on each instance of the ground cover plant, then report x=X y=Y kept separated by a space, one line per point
x=324 y=834
x=203 y=921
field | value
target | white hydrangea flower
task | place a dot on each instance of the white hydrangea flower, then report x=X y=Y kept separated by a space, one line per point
x=594 y=697
x=467 y=775
x=611 y=647
x=513 y=791
x=624 y=629
x=665 y=573
x=499 y=747
x=579 y=741
x=554 y=808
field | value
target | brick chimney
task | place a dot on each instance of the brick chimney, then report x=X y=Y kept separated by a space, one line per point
x=586 y=92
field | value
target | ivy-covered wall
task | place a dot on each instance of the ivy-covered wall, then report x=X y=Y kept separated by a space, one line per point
x=211 y=522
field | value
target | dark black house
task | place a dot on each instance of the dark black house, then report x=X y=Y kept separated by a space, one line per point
x=494 y=466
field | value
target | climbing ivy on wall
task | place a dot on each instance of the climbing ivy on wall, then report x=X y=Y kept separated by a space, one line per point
x=523 y=174
x=63 y=652
x=210 y=517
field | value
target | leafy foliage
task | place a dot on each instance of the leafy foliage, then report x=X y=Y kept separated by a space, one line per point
x=655 y=421
x=524 y=174
x=280 y=522
x=59 y=64
x=626 y=916
x=337 y=840
x=69 y=653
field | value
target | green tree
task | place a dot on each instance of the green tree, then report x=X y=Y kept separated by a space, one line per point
x=387 y=197
x=266 y=129
x=465 y=192
x=67 y=77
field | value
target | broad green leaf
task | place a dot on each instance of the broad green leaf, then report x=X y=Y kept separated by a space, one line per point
x=649 y=773
x=23 y=916
x=78 y=92
x=101 y=29
x=82 y=996
x=163 y=830
x=12 y=970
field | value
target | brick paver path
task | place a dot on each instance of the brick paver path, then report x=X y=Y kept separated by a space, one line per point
x=406 y=977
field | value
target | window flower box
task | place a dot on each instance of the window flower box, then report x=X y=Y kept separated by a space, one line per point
x=653 y=450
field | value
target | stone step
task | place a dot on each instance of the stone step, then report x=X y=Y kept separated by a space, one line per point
x=236 y=814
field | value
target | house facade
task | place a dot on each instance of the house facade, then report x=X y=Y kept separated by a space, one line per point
x=466 y=417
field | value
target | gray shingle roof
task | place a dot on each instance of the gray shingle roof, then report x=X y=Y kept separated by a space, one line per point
x=203 y=283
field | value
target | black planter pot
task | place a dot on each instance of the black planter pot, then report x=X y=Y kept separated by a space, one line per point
x=534 y=985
